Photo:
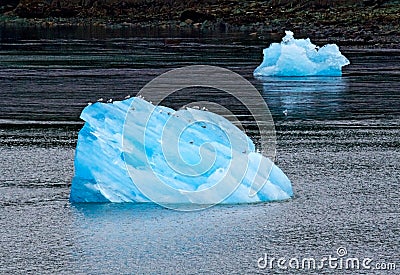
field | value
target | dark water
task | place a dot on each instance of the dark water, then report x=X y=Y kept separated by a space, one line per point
x=339 y=144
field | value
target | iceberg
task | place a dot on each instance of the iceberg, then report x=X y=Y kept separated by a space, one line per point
x=299 y=57
x=126 y=148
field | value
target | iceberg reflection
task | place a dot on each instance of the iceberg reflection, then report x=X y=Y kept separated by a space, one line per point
x=304 y=97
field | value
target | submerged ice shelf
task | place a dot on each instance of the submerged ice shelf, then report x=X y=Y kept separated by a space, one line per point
x=299 y=57
x=115 y=163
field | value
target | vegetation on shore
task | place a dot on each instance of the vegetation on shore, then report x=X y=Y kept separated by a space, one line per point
x=354 y=21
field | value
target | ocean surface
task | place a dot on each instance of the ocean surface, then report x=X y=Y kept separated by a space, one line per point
x=339 y=143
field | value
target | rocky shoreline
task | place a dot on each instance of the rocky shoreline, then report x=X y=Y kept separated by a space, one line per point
x=372 y=23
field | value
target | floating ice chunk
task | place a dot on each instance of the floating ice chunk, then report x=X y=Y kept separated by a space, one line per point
x=299 y=57
x=106 y=156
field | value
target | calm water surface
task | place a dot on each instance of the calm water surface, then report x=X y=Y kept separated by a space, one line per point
x=339 y=144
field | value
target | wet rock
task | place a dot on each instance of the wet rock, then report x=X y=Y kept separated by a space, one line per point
x=13 y=3
x=372 y=2
x=6 y=8
x=195 y=16
x=8 y=5
x=244 y=28
x=32 y=9
x=206 y=25
x=65 y=12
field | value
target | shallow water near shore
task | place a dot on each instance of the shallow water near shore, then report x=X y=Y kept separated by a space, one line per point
x=338 y=141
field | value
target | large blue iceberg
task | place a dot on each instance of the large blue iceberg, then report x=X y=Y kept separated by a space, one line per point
x=299 y=57
x=115 y=163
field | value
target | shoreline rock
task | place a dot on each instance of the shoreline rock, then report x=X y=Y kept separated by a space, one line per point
x=357 y=22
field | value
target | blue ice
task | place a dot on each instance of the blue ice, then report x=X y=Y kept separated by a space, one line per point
x=299 y=57
x=102 y=161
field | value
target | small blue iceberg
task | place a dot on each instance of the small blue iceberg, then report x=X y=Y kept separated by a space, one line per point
x=299 y=57
x=126 y=147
